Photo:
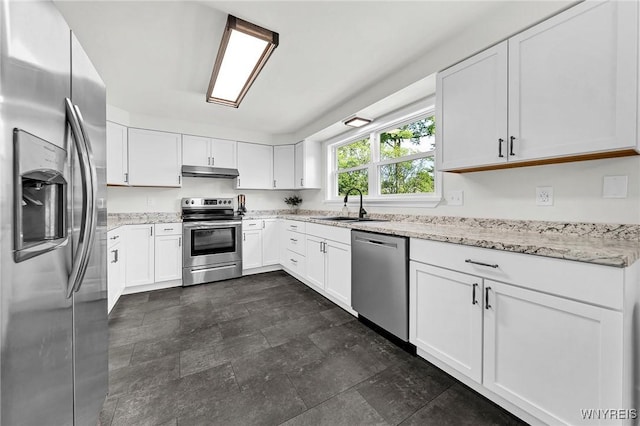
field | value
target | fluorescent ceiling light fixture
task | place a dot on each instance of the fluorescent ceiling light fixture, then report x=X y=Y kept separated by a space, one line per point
x=243 y=51
x=357 y=121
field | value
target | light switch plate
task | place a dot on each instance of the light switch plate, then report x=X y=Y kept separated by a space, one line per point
x=544 y=196
x=615 y=186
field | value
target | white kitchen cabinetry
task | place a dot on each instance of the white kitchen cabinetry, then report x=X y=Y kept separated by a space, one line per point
x=540 y=335
x=168 y=252
x=155 y=158
x=328 y=262
x=446 y=317
x=255 y=165
x=283 y=167
x=115 y=265
x=270 y=242
x=307 y=164
x=140 y=255
x=293 y=248
x=117 y=157
x=251 y=244
x=202 y=151
x=572 y=93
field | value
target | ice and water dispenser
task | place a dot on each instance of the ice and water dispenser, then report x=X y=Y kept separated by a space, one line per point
x=40 y=196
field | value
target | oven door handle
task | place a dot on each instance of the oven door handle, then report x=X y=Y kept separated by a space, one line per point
x=204 y=225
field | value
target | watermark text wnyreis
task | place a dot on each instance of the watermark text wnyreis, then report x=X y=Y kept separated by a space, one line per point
x=609 y=413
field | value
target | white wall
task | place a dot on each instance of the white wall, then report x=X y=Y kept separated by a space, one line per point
x=143 y=200
x=510 y=193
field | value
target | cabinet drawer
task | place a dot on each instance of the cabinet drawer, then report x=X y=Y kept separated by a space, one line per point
x=296 y=242
x=115 y=236
x=174 y=228
x=295 y=262
x=295 y=226
x=251 y=224
x=596 y=284
x=334 y=233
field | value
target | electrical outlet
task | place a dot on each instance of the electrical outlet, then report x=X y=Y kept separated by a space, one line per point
x=455 y=198
x=544 y=196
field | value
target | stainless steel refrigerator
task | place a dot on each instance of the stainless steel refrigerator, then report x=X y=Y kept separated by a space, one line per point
x=53 y=296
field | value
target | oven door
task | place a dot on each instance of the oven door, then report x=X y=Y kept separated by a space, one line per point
x=211 y=243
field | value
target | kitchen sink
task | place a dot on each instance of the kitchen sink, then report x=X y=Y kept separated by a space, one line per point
x=348 y=219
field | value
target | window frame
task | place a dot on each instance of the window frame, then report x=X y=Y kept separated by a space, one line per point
x=373 y=131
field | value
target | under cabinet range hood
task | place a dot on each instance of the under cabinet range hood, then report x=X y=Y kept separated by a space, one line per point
x=210 y=172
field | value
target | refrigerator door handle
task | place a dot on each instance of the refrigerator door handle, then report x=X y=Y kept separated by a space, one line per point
x=79 y=264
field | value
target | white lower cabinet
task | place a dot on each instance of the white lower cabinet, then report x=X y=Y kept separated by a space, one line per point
x=446 y=317
x=337 y=282
x=260 y=243
x=140 y=255
x=168 y=252
x=251 y=248
x=115 y=266
x=315 y=262
x=549 y=355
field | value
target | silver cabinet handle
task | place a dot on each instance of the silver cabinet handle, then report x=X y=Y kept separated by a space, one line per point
x=486 y=298
x=126 y=177
x=274 y=183
x=179 y=180
x=293 y=226
x=244 y=237
x=88 y=177
x=213 y=161
x=151 y=229
x=238 y=182
x=321 y=251
x=301 y=182
x=115 y=237
x=511 y=139
x=500 y=141
x=293 y=239
x=474 y=301
x=263 y=225
x=251 y=224
x=115 y=256
x=168 y=229
x=489 y=265
x=179 y=241
x=293 y=260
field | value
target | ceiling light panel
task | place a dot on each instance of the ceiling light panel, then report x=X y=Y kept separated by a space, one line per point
x=244 y=50
x=357 y=122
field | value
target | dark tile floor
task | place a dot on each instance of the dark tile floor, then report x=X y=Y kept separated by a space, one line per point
x=265 y=349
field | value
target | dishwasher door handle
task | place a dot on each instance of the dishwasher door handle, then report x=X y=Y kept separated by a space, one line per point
x=376 y=242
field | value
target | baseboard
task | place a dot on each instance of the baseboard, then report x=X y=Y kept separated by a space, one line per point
x=261 y=270
x=151 y=287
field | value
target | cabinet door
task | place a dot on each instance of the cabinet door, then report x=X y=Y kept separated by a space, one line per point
x=139 y=255
x=338 y=271
x=252 y=249
x=572 y=82
x=445 y=317
x=196 y=151
x=307 y=164
x=283 y=167
x=549 y=355
x=155 y=158
x=315 y=261
x=115 y=274
x=117 y=167
x=255 y=164
x=471 y=111
x=270 y=242
x=223 y=153
x=168 y=257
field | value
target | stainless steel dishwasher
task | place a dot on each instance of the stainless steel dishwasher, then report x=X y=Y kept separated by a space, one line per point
x=380 y=280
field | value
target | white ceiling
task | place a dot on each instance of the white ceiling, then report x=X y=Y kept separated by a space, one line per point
x=156 y=56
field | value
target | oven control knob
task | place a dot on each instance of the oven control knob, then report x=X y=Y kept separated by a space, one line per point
x=186 y=201
x=191 y=201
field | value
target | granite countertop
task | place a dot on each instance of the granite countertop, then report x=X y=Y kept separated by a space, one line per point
x=601 y=250
x=603 y=244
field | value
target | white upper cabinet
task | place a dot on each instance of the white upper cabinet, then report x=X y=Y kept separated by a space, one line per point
x=572 y=82
x=307 y=164
x=568 y=90
x=201 y=151
x=283 y=167
x=155 y=158
x=117 y=163
x=472 y=111
x=196 y=151
x=255 y=165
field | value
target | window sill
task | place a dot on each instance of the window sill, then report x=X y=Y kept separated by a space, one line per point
x=428 y=201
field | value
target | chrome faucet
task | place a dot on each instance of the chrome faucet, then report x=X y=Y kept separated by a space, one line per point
x=362 y=212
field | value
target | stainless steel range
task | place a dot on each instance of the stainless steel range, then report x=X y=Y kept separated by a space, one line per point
x=212 y=248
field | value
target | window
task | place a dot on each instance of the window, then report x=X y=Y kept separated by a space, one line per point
x=394 y=162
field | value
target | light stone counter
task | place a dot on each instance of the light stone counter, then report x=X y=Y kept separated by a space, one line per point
x=115 y=220
x=604 y=244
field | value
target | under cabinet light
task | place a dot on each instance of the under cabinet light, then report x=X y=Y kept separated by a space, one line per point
x=356 y=121
x=244 y=49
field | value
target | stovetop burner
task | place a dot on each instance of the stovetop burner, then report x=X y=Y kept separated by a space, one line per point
x=206 y=209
